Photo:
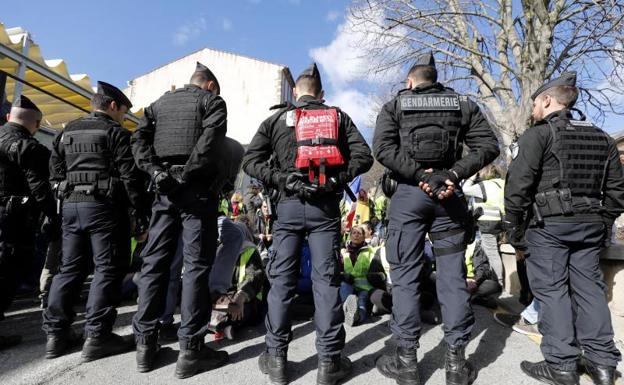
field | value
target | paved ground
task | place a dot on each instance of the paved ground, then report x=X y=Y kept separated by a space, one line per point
x=494 y=350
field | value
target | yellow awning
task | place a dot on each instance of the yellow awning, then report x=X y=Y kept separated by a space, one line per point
x=48 y=75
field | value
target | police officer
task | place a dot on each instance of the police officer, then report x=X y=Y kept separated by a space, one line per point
x=94 y=170
x=179 y=143
x=24 y=191
x=566 y=183
x=315 y=151
x=419 y=137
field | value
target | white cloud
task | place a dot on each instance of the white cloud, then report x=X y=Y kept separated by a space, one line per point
x=332 y=16
x=226 y=24
x=189 y=31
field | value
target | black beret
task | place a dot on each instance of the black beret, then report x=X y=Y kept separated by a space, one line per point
x=313 y=71
x=425 y=59
x=200 y=68
x=25 y=103
x=566 y=79
x=114 y=93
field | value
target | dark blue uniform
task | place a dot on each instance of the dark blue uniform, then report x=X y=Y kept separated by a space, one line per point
x=93 y=166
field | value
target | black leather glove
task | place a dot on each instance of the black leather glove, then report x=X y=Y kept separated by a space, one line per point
x=51 y=228
x=294 y=184
x=335 y=183
x=164 y=183
x=515 y=229
x=436 y=181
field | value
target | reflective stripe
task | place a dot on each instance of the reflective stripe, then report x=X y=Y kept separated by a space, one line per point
x=385 y=263
x=244 y=260
x=362 y=265
x=494 y=205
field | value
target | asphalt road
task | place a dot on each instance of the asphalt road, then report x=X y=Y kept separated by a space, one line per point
x=494 y=350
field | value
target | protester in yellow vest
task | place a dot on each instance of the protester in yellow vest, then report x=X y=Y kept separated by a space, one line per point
x=355 y=288
x=486 y=189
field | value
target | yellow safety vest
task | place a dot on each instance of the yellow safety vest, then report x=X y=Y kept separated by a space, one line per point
x=244 y=260
x=493 y=204
x=385 y=263
x=360 y=270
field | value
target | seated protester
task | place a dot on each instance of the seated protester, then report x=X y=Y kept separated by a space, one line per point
x=302 y=307
x=241 y=304
x=481 y=278
x=355 y=288
x=264 y=228
x=237 y=207
x=369 y=234
x=381 y=295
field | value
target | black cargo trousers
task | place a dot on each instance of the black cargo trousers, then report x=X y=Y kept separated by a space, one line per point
x=320 y=221
x=192 y=219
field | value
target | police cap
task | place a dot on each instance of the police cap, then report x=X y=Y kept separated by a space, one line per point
x=425 y=59
x=313 y=71
x=114 y=93
x=25 y=103
x=208 y=74
x=566 y=79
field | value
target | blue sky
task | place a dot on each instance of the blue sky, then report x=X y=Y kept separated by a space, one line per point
x=117 y=41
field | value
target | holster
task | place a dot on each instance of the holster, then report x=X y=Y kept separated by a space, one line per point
x=553 y=203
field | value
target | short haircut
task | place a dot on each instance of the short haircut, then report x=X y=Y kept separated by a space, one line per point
x=309 y=84
x=25 y=115
x=565 y=95
x=423 y=74
x=101 y=102
x=198 y=78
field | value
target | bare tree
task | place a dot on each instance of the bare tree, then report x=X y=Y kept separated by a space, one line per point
x=502 y=49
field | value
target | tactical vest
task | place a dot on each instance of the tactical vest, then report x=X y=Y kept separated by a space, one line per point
x=242 y=265
x=359 y=271
x=430 y=126
x=316 y=131
x=88 y=156
x=582 y=152
x=12 y=179
x=493 y=202
x=179 y=116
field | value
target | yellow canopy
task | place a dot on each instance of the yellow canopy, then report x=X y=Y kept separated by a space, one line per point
x=74 y=90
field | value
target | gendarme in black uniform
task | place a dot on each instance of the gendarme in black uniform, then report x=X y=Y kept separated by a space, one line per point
x=566 y=183
x=94 y=170
x=179 y=142
x=24 y=191
x=303 y=210
x=421 y=128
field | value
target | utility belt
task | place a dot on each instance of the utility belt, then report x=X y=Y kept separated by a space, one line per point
x=107 y=188
x=560 y=202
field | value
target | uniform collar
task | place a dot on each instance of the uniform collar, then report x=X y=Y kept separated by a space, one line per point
x=558 y=115
x=18 y=127
x=307 y=99
x=104 y=115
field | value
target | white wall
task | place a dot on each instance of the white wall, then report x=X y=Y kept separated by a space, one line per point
x=248 y=86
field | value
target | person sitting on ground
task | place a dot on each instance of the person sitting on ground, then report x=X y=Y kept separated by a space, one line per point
x=355 y=288
x=264 y=227
x=237 y=207
x=481 y=279
x=370 y=237
x=240 y=305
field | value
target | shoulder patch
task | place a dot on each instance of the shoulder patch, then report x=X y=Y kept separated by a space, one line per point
x=582 y=123
x=514 y=148
x=429 y=102
x=14 y=147
x=290 y=118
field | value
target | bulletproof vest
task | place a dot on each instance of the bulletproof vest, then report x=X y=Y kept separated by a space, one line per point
x=12 y=179
x=179 y=116
x=582 y=152
x=88 y=156
x=430 y=125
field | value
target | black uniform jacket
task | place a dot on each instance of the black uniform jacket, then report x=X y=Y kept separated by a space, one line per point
x=478 y=136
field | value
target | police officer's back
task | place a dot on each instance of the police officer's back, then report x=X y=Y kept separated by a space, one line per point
x=96 y=178
x=24 y=191
x=179 y=143
x=566 y=184
x=315 y=150
x=419 y=137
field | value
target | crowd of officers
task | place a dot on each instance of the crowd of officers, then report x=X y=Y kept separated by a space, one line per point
x=564 y=188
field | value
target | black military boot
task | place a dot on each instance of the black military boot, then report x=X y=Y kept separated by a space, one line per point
x=458 y=370
x=190 y=362
x=545 y=373
x=275 y=367
x=111 y=344
x=59 y=344
x=145 y=356
x=401 y=366
x=332 y=371
x=600 y=374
